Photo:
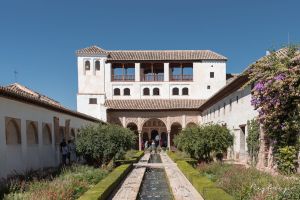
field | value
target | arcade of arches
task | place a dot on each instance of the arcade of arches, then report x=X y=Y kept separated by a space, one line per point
x=147 y=125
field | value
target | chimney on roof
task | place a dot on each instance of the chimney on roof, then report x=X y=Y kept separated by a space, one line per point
x=268 y=53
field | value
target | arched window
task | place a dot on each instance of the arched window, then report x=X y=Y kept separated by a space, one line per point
x=12 y=131
x=117 y=92
x=97 y=65
x=175 y=91
x=146 y=92
x=155 y=91
x=87 y=65
x=127 y=92
x=185 y=91
x=32 y=133
x=47 y=138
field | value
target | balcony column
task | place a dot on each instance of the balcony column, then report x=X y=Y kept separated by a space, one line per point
x=140 y=140
x=169 y=139
x=166 y=72
x=137 y=72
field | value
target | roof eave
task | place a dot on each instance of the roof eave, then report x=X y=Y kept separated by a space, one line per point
x=153 y=110
x=237 y=83
x=171 y=60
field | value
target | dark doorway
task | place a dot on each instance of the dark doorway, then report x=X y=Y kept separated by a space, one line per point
x=242 y=139
x=164 y=139
x=154 y=134
x=145 y=137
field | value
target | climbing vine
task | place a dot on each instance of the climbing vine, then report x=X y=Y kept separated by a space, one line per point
x=276 y=96
x=253 y=140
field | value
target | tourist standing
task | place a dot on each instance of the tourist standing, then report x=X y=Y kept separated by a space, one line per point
x=72 y=151
x=146 y=145
x=64 y=151
x=153 y=146
x=157 y=140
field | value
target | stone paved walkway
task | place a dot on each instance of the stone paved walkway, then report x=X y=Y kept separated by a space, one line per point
x=181 y=187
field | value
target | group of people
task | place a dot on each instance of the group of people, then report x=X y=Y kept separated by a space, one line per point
x=153 y=144
x=68 y=152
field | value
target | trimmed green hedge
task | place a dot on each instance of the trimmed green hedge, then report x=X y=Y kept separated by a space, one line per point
x=175 y=157
x=133 y=159
x=105 y=187
x=202 y=184
x=139 y=154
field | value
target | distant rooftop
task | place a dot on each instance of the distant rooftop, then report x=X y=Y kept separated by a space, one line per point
x=149 y=55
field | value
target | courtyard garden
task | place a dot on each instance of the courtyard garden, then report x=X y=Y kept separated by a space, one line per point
x=106 y=150
x=222 y=181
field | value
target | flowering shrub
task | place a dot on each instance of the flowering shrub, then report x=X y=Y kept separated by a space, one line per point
x=276 y=96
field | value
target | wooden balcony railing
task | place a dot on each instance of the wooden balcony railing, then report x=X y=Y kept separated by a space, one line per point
x=123 y=77
x=152 y=77
x=181 y=77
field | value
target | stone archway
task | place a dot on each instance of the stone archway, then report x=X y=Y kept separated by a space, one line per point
x=133 y=127
x=154 y=128
x=191 y=125
x=175 y=130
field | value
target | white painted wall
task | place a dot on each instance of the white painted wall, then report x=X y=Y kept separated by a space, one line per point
x=91 y=85
x=25 y=157
x=95 y=110
x=240 y=113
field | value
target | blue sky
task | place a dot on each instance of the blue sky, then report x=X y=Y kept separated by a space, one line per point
x=38 y=38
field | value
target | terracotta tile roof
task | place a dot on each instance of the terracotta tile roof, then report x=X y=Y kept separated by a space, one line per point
x=131 y=55
x=165 y=55
x=154 y=104
x=90 y=51
x=23 y=94
x=16 y=87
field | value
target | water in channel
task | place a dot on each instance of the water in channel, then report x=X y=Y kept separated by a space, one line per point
x=155 y=185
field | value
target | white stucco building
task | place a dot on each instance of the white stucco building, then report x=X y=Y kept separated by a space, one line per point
x=150 y=91
x=31 y=129
x=231 y=107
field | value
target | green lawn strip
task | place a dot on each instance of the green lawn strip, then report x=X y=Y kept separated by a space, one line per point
x=104 y=188
x=202 y=184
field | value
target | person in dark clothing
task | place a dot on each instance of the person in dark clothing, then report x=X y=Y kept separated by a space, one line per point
x=64 y=151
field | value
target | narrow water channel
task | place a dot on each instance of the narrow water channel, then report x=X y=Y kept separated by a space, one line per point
x=155 y=184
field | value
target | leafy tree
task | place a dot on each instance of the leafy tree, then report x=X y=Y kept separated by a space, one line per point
x=253 y=140
x=100 y=143
x=200 y=142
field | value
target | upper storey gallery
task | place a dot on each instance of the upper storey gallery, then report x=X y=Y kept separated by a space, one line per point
x=99 y=70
